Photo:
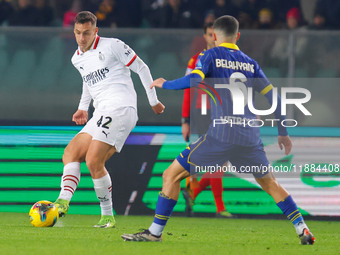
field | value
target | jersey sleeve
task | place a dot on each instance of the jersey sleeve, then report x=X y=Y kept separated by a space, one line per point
x=139 y=67
x=123 y=52
x=261 y=82
x=190 y=66
x=204 y=65
x=85 y=99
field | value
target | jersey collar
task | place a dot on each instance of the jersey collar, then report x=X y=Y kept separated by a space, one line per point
x=230 y=46
x=93 y=47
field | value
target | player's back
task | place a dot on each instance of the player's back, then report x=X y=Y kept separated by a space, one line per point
x=228 y=59
x=228 y=65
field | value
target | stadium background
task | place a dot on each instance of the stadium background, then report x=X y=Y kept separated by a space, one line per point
x=40 y=90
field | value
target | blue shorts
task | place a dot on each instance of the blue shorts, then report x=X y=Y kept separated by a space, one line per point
x=208 y=153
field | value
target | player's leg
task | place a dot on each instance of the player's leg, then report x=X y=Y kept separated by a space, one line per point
x=167 y=200
x=216 y=183
x=190 y=185
x=110 y=130
x=288 y=206
x=190 y=194
x=98 y=153
x=255 y=156
x=74 y=154
x=200 y=153
x=202 y=185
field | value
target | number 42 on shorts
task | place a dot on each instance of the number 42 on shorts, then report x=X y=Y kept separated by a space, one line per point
x=107 y=122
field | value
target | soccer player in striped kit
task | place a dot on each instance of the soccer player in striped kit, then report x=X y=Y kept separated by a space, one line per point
x=239 y=144
x=104 y=65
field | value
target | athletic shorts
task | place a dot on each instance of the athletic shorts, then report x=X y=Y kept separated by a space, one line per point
x=111 y=127
x=210 y=154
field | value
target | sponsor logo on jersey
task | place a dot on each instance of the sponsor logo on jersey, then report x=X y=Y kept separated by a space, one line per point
x=96 y=76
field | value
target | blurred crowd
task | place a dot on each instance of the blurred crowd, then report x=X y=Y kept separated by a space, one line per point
x=252 y=14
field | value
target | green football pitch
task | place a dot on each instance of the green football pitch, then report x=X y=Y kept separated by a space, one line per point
x=74 y=234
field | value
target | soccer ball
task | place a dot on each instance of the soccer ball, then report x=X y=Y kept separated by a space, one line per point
x=44 y=214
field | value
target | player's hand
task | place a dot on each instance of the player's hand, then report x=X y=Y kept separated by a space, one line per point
x=158 y=108
x=186 y=131
x=80 y=117
x=284 y=141
x=158 y=83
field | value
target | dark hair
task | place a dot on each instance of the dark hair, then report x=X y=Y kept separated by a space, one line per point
x=227 y=24
x=206 y=26
x=86 y=16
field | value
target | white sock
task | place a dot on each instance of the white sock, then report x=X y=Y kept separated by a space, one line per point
x=103 y=188
x=156 y=229
x=69 y=180
x=300 y=226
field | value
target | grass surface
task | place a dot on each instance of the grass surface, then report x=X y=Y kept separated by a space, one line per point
x=74 y=234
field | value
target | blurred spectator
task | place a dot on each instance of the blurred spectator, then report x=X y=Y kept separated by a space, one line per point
x=45 y=12
x=280 y=8
x=174 y=15
x=107 y=13
x=150 y=10
x=209 y=17
x=280 y=48
x=265 y=19
x=25 y=14
x=69 y=16
x=293 y=18
x=319 y=22
x=252 y=8
x=225 y=7
x=245 y=21
x=330 y=10
x=6 y=10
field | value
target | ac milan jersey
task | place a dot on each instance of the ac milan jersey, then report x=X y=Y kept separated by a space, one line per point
x=105 y=73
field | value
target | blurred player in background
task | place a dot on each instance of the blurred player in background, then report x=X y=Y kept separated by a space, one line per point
x=199 y=124
x=104 y=65
x=239 y=144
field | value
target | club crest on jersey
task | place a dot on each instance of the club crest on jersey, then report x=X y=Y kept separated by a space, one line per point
x=101 y=56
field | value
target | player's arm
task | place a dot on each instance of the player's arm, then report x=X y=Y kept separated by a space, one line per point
x=266 y=89
x=130 y=59
x=180 y=83
x=80 y=116
x=143 y=71
x=202 y=69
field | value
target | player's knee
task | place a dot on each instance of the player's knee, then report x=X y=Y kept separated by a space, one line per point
x=168 y=177
x=93 y=164
x=71 y=156
x=171 y=176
